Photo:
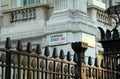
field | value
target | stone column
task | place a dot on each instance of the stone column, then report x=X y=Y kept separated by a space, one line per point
x=93 y=14
x=6 y=19
x=41 y=15
x=62 y=5
x=66 y=10
x=80 y=5
x=79 y=48
x=66 y=5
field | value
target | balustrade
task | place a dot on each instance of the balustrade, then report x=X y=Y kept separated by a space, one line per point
x=23 y=15
x=104 y=18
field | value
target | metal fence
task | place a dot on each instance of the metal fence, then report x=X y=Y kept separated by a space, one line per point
x=23 y=64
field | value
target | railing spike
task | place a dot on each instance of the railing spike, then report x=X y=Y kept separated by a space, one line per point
x=90 y=60
x=69 y=56
x=102 y=64
x=38 y=49
x=102 y=33
x=96 y=62
x=8 y=43
x=29 y=47
x=108 y=34
x=19 y=45
x=55 y=54
x=115 y=34
x=62 y=56
x=46 y=53
x=75 y=59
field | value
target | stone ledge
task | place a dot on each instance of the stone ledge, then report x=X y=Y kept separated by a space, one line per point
x=59 y=28
x=25 y=7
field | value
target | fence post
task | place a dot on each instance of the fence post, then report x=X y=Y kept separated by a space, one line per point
x=19 y=48
x=79 y=48
x=8 y=60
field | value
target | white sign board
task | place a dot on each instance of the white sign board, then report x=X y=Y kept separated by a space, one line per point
x=57 y=39
x=90 y=39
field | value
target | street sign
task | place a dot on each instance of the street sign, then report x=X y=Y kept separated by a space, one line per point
x=57 y=39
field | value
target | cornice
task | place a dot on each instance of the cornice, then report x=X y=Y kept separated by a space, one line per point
x=25 y=7
x=59 y=28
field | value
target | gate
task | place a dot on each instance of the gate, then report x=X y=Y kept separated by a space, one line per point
x=23 y=64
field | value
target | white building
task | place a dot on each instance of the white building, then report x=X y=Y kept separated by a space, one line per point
x=56 y=23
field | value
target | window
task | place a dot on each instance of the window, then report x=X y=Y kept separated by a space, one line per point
x=24 y=2
x=29 y=2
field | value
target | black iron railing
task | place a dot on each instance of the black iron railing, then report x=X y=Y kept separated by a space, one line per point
x=24 y=64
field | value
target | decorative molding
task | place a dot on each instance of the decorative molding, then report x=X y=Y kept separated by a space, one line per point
x=22 y=35
x=58 y=28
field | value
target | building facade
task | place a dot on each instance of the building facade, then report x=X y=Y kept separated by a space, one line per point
x=56 y=23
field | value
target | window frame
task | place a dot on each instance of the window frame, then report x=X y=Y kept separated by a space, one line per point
x=29 y=2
